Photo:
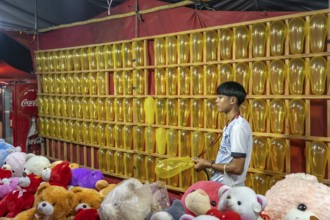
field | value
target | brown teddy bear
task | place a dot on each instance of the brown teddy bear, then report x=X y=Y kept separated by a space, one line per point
x=51 y=202
x=86 y=198
x=104 y=187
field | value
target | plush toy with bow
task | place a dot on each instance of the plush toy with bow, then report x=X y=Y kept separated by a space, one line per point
x=20 y=199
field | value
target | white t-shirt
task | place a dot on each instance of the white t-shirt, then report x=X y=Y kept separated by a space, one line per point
x=236 y=143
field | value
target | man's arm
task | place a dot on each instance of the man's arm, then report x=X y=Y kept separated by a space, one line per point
x=236 y=166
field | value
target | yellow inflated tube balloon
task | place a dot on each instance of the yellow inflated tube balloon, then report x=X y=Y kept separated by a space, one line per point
x=170 y=167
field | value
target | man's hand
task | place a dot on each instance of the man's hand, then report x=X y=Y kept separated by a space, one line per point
x=201 y=164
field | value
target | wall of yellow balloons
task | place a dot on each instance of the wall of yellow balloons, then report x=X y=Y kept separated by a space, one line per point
x=120 y=110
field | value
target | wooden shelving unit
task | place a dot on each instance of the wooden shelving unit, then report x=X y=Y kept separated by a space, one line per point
x=92 y=99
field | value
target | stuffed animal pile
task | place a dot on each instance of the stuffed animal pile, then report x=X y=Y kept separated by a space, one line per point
x=32 y=188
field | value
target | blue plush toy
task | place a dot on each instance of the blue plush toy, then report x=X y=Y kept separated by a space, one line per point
x=85 y=177
x=5 y=150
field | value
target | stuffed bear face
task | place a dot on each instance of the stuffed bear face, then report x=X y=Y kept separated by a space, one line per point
x=86 y=198
x=241 y=200
x=15 y=162
x=53 y=201
x=35 y=164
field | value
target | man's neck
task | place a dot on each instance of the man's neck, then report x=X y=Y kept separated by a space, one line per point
x=232 y=113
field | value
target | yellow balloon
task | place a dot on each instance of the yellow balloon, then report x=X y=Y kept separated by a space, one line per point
x=161 y=140
x=318 y=31
x=172 y=166
x=242 y=38
x=297 y=34
x=259 y=37
x=318 y=74
x=277 y=37
x=226 y=43
x=149 y=109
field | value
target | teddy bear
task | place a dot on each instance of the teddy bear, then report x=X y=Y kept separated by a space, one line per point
x=6 y=149
x=8 y=185
x=51 y=202
x=59 y=175
x=208 y=197
x=103 y=187
x=35 y=164
x=15 y=163
x=85 y=177
x=86 y=198
x=20 y=199
x=130 y=199
x=298 y=196
x=242 y=200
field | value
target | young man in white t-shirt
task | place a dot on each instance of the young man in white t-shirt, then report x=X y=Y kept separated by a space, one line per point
x=235 y=149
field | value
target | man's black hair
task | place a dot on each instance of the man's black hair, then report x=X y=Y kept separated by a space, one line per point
x=232 y=88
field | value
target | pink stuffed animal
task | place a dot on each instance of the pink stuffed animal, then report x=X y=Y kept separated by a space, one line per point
x=7 y=185
x=298 y=196
x=15 y=163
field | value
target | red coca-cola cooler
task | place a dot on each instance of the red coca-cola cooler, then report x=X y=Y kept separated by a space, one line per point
x=19 y=115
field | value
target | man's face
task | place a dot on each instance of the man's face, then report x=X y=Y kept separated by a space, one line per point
x=223 y=103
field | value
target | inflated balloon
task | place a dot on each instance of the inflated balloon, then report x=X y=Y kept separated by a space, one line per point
x=197 y=45
x=150 y=172
x=100 y=61
x=197 y=143
x=226 y=73
x=297 y=32
x=198 y=113
x=109 y=109
x=242 y=38
x=92 y=83
x=128 y=164
x=297 y=113
x=226 y=43
x=171 y=50
x=117 y=134
x=57 y=84
x=83 y=56
x=93 y=108
x=245 y=109
x=172 y=80
x=139 y=112
x=92 y=58
x=108 y=57
x=70 y=130
x=161 y=140
x=110 y=161
x=128 y=82
x=172 y=111
x=170 y=167
x=69 y=60
x=277 y=37
x=184 y=112
x=259 y=37
x=109 y=135
x=78 y=112
x=101 y=83
x=318 y=31
x=138 y=52
x=77 y=83
x=259 y=183
x=212 y=113
x=259 y=77
x=211 y=74
x=277 y=113
x=185 y=77
x=318 y=74
x=119 y=110
x=149 y=109
x=211 y=45
x=93 y=132
x=85 y=84
x=317 y=157
x=126 y=52
x=71 y=89
x=259 y=152
x=139 y=82
x=64 y=106
x=297 y=76
x=184 y=48
x=242 y=75
x=160 y=51
x=57 y=106
x=185 y=140
x=172 y=142
x=160 y=80
x=100 y=135
x=150 y=139
x=138 y=138
x=128 y=110
x=76 y=60
x=161 y=111
x=259 y=115
x=117 y=56
x=119 y=165
x=38 y=61
x=278 y=149
x=277 y=74
x=198 y=80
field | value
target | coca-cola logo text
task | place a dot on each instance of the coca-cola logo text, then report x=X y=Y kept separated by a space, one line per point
x=28 y=103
